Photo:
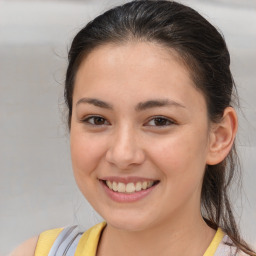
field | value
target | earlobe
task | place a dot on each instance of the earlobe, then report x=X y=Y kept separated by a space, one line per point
x=222 y=137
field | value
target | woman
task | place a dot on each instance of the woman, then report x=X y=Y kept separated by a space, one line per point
x=152 y=129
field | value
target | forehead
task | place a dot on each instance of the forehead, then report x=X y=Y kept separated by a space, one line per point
x=137 y=69
x=133 y=54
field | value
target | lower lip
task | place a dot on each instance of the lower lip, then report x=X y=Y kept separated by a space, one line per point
x=127 y=197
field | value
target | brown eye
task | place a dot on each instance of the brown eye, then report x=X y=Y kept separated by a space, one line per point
x=96 y=120
x=99 y=120
x=160 y=121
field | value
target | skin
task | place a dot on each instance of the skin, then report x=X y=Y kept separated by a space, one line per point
x=27 y=248
x=128 y=140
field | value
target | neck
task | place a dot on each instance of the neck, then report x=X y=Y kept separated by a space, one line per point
x=179 y=237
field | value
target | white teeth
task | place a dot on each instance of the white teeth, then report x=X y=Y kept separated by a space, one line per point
x=130 y=187
x=121 y=187
x=144 y=185
x=114 y=186
x=109 y=184
x=150 y=184
x=138 y=186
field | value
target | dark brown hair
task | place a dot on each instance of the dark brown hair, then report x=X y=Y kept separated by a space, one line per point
x=204 y=52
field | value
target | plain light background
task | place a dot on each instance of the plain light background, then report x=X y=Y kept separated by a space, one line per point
x=37 y=188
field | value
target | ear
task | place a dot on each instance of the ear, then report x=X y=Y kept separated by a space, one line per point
x=222 y=136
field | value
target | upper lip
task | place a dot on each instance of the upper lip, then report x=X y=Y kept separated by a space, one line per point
x=126 y=180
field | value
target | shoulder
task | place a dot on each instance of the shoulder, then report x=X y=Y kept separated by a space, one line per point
x=26 y=249
x=68 y=239
x=39 y=245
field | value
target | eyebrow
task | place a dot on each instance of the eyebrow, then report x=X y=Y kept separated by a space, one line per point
x=157 y=103
x=139 y=107
x=95 y=102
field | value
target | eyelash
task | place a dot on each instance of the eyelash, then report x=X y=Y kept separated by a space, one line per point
x=161 y=119
x=87 y=120
x=154 y=119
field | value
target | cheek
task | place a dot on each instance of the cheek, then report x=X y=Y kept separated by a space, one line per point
x=86 y=151
x=86 y=154
x=184 y=154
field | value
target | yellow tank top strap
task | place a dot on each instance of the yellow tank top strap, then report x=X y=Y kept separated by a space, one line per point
x=88 y=243
x=215 y=243
x=46 y=240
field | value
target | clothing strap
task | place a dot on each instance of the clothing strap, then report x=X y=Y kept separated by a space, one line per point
x=224 y=249
x=66 y=242
x=46 y=240
x=214 y=243
x=71 y=242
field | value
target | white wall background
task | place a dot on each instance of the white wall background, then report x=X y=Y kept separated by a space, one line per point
x=37 y=189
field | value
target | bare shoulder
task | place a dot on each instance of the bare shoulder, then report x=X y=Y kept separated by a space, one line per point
x=26 y=249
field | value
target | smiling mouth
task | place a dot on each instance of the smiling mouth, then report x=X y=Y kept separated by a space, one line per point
x=129 y=188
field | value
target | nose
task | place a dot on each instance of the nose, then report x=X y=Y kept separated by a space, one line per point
x=125 y=150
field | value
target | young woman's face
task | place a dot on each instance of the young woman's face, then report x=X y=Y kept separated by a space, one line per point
x=139 y=136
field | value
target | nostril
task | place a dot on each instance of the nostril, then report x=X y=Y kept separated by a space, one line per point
x=123 y=157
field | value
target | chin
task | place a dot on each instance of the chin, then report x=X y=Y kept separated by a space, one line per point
x=129 y=222
x=131 y=226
